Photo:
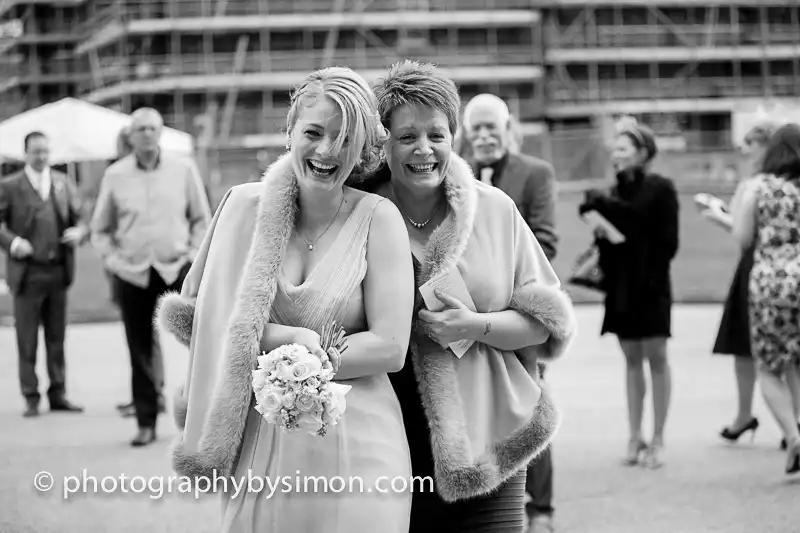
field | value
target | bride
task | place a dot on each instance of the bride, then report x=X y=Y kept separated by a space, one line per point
x=282 y=260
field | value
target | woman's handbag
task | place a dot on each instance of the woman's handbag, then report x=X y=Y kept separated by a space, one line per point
x=587 y=272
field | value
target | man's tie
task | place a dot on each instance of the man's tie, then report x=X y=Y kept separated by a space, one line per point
x=486 y=175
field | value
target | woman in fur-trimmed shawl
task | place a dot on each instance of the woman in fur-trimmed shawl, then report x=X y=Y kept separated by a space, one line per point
x=473 y=422
x=282 y=260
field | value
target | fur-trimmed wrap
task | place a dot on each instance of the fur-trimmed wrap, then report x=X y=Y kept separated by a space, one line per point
x=474 y=451
x=488 y=413
x=220 y=315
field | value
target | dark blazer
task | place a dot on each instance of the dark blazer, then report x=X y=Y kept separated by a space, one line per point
x=531 y=183
x=637 y=273
x=16 y=218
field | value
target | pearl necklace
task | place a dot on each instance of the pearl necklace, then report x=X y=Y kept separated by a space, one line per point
x=417 y=225
x=420 y=225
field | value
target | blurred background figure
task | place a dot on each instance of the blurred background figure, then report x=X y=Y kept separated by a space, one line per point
x=733 y=337
x=151 y=216
x=41 y=222
x=637 y=278
x=769 y=220
x=529 y=181
x=494 y=144
x=128 y=409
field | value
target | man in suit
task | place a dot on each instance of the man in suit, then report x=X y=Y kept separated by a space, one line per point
x=148 y=223
x=530 y=182
x=40 y=225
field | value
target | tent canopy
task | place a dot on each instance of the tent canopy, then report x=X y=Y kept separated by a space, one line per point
x=78 y=132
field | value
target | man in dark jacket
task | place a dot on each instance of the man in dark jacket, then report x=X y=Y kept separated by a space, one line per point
x=40 y=224
x=530 y=182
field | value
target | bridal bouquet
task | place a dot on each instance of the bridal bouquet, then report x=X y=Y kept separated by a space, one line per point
x=293 y=387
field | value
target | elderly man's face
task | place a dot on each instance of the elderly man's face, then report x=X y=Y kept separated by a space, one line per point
x=146 y=132
x=487 y=131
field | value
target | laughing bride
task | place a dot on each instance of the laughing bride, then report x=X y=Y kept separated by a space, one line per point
x=283 y=259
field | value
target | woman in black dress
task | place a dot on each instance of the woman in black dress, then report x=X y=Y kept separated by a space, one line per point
x=644 y=207
x=733 y=337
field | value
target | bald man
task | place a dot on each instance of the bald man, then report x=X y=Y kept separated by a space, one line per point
x=149 y=221
x=530 y=182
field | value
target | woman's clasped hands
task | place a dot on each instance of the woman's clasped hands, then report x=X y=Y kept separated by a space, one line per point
x=453 y=323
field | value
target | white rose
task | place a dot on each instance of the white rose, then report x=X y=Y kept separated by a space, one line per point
x=289 y=399
x=304 y=402
x=272 y=400
x=269 y=360
x=313 y=382
x=337 y=403
x=284 y=371
x=309 y=423
x=259 y=380
x=305 y=368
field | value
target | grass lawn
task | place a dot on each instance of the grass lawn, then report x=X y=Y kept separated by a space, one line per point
x=701 y=272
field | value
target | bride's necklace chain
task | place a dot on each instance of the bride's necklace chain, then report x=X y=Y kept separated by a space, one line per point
x=313 y=243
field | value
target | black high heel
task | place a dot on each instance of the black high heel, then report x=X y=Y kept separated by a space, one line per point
x=733 y=436
x=783 y=440
x=793 y=459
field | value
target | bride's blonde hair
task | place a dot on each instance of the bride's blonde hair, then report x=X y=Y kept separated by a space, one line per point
x=359 y=107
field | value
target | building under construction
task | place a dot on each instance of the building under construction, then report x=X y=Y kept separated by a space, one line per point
x=222 y=70
x=683 y=67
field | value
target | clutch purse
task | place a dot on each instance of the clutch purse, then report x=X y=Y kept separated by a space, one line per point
x=586 y=271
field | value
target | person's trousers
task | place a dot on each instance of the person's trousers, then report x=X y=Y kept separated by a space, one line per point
x=539 y=484
x=138 y=307
x=42 y=301
x=539 y=481
x=158 y=362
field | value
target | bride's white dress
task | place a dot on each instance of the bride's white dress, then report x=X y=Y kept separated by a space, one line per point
x=369 y=443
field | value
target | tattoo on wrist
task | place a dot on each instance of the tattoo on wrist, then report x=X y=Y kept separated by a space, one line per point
x=487 y=327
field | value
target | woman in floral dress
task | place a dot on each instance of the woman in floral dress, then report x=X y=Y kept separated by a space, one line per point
x=769 y=219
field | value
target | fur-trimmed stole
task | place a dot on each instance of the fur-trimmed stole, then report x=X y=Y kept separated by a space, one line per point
x=460 y=472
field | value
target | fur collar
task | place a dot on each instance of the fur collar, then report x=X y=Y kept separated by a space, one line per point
x=223 y=430
x=447 y=243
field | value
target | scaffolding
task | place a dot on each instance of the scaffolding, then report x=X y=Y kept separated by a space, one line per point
x=36 y=53
x=681 y=67
x=223 y=70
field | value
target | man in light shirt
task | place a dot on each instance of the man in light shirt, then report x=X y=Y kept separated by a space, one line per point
x=40 y=225
x=149 y=220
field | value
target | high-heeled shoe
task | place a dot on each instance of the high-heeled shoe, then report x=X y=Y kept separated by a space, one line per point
x=733 y=436
x=793 y=458
x=635 y=449
x=783 y=440
x=652 y=457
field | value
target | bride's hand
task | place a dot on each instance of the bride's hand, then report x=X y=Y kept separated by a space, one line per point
x=311 y=340
x=335 y=357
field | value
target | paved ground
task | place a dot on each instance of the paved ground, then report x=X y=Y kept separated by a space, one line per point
x=707 y=486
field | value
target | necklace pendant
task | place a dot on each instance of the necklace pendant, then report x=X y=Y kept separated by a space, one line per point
x=311 y=247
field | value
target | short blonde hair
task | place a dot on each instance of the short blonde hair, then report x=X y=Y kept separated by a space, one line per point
x=359 y=107
x=414 y=83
